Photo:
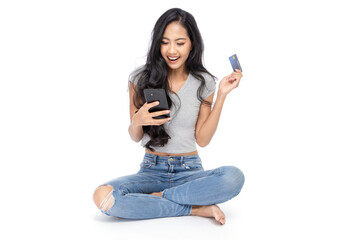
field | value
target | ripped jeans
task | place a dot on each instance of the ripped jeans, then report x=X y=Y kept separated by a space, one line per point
x=183 y=181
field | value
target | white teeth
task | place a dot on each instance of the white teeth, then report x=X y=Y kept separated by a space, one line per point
x=173 y=59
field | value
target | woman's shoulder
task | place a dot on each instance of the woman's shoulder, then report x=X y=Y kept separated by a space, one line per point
x=209 y=79
x=210 y=84
x=136 y=74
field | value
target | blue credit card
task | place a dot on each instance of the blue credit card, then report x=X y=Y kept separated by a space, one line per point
x=235 y=62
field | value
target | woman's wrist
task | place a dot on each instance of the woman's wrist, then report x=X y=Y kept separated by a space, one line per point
x=220 y=96
x=134 y=122
x=135 y=130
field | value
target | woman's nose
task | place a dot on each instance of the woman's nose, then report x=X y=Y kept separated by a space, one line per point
x=172 y=49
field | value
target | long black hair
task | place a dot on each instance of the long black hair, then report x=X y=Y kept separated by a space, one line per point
x=154 y=73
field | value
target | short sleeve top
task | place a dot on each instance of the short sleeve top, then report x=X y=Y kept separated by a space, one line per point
x=181 y=127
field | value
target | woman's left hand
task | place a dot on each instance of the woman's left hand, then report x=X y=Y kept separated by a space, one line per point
x=230 y=82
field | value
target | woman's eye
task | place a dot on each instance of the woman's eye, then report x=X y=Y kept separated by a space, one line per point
x=177 y=44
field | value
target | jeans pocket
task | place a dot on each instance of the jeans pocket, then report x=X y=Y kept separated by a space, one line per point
x=192 y=166
x=146 y=164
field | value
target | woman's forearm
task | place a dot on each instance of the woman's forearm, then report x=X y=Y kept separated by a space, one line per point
x=136 y=131
x=208 y=129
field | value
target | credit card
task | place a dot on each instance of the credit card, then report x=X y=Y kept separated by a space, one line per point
x=235 y=62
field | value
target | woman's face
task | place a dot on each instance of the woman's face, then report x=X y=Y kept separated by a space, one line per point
x=175 y=44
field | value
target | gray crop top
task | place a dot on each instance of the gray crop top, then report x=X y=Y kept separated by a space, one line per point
x=181 y=127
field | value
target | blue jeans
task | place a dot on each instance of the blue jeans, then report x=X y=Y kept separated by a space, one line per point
x=183 y=181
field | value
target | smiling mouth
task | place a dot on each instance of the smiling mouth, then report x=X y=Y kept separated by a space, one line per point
x=173 y=60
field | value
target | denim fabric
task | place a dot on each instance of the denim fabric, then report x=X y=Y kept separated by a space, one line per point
x=183 y=181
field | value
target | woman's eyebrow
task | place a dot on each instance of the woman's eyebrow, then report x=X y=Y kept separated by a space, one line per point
x=175 y=39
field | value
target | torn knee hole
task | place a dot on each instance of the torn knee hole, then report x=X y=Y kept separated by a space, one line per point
x=103 y=197
x=107 y=202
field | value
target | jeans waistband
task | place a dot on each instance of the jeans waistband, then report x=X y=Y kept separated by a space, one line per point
x=182 y=159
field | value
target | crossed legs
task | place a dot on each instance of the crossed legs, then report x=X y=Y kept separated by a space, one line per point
x=134 y=199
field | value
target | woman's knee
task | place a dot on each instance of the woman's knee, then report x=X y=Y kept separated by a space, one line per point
x=103 y=197
x=234 y=178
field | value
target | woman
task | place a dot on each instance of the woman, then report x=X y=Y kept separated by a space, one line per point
x=171 y=180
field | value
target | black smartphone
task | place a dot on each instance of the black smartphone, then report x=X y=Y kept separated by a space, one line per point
x=157 y=94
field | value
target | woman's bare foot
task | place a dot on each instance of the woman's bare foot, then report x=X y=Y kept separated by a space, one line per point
x=159 y=194
x=203 y=210
x=209 y=211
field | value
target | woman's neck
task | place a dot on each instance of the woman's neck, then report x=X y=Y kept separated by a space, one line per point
x=178 y=75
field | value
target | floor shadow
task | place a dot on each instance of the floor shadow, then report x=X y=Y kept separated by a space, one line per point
x=111 y=219
x=105 y=218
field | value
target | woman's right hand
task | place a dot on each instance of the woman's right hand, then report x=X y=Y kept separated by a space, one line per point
x=145 y=118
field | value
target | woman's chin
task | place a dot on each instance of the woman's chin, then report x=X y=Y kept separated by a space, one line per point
x=174 y=67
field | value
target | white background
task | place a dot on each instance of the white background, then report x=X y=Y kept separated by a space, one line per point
x=292 y=125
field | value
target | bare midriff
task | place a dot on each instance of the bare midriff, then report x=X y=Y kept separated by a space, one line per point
x=171 y=154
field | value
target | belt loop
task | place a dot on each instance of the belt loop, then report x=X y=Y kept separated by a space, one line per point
x=182 y=159
x=155 y=156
